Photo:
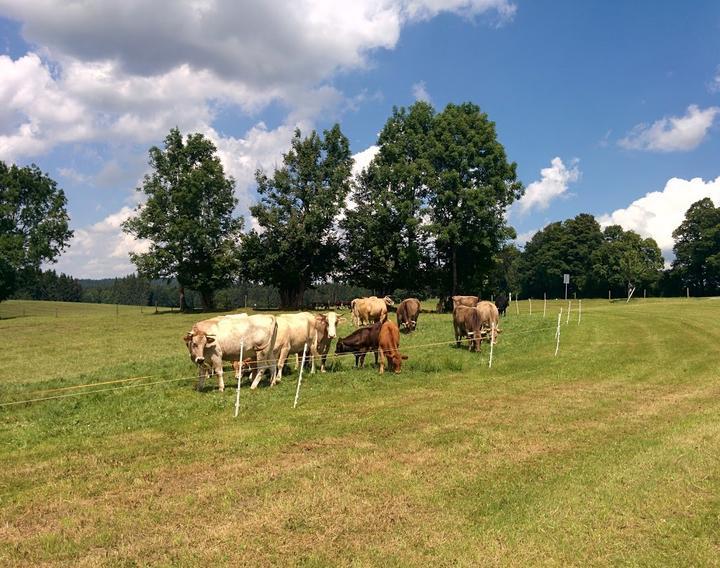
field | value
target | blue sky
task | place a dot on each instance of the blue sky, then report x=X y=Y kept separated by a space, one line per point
x=611 y=108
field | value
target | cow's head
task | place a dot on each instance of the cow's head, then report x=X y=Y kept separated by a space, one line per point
x=388 y=300
x=197 y=343
x=332 y=320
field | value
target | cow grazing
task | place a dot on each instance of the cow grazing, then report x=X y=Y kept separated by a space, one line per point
x=369 y=310
x=469 y=301
x=388 y=343
x=502 y=303
x=359 y=342
x=212 y=341
x=407 y=314
x=466 y=323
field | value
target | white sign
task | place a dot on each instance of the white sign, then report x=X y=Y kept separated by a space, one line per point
x=566 y=279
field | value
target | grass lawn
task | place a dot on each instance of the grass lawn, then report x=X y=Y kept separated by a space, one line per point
x=607 y=454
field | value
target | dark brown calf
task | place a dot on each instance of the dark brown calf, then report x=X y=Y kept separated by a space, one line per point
x=360 y=342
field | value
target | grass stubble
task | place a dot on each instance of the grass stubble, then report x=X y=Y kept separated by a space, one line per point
x=605 y=455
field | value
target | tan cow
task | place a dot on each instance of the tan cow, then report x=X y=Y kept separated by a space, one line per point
x=469 y=301
x=489 y=315
x=466 y=323
x=212 y=341
x=407 y=314
x=370 y=310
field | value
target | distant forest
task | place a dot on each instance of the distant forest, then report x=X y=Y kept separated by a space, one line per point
x=135 y=291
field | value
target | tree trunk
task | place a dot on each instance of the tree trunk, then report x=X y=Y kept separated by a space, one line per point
x=291 y=297
x=454 y=271
x=183 y=303
x=208 y=302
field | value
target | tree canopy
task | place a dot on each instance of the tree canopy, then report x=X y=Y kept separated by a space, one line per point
x=386 y=243
x=33 y=223
x=187 y=217
x=697 y=248
x=298 y=244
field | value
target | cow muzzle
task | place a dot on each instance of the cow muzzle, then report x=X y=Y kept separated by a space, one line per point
x=199 y=360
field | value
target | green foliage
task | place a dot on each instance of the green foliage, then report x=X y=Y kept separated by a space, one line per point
x=596 y=260
x=33 y=223
x=697 y=248
x=470 y=187
x=626 y=260
x=48 y=285
x=560 y=248
x=187 y=217
x=386 y=245
x=430 y=208
x=298 y=245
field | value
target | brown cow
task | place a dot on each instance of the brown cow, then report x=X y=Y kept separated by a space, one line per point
x=407 y=314
x=388 y=343
x=469 y=301
x=359 y=342
x=466 y=323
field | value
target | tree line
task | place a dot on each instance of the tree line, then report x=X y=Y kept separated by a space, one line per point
x=427 y=217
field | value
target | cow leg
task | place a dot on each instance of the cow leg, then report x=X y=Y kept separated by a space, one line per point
x=382 y=360
x=259 y=371
x=277 y=375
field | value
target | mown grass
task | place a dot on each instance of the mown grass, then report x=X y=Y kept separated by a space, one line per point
x=607 y=454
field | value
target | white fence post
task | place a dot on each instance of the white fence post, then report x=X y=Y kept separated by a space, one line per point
x=237 y=397
x=530 y=302
x=544 y=303
x=579 y=311
x=302 y=368
x=517 y=304
x=557 y=333
x=567 y=319
x=492 y=343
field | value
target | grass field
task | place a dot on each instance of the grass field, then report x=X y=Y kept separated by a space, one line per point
x=608 y=454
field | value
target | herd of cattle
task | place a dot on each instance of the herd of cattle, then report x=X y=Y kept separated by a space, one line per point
x=254 y=343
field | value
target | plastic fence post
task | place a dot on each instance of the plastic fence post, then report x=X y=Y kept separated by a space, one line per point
x=237 y=397
x=302 y=368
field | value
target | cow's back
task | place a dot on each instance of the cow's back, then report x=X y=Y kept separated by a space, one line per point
x=488 y=313
x=469 y=301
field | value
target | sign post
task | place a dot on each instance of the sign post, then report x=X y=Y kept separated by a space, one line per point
x=566 y=281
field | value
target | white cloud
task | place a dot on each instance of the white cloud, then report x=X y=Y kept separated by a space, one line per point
x=362 y=159
x=102 y=249
x=419 y=92
x=554 y=182
x=672 y=134
x=525 y=236
x=659 y=213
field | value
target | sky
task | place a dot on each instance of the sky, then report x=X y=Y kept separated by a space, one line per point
x=609 y=108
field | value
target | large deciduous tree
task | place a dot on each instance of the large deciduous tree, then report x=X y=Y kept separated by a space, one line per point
x=561 y=248
x=697 y=248
x=385 y=243
x=625 y=260
x=298 y=243
x=470 y=186
x=33 y=223
x=187 y=218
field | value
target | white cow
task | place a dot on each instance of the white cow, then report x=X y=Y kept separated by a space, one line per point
x=212 y=341
x=294 y=331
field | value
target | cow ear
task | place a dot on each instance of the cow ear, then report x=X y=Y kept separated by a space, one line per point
x=187 y=338
x=210 y=340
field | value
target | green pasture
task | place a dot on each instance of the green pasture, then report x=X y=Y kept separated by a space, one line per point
x=608 y=454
